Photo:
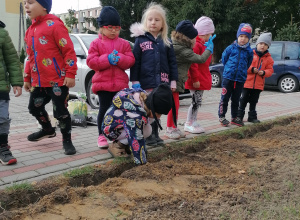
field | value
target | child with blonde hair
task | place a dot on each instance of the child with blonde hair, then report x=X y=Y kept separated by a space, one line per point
x=109 y=55
x=155 y=61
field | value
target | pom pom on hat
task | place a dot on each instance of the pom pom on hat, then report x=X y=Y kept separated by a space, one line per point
x=205 y=25
x=186 y=27
x=46 y=4
x=109 y=16
x=265 y=38
x=246 y=29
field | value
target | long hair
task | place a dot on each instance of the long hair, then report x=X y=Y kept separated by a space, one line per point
x=162 y=11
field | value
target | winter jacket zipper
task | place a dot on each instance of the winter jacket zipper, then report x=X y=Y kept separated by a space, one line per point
x=36 y=66
x=258 y=67
x=237 y=67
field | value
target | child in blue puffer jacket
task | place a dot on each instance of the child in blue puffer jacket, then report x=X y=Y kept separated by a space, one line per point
x=236 y=58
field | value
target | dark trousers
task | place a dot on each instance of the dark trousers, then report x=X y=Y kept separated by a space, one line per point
x=251 y=96
x=40 y=96
x=230 y=89
x=105 y=101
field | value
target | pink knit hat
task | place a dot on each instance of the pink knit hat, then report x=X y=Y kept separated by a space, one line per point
x=205 y=25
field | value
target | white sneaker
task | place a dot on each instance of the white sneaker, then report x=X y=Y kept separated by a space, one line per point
x=178 y=131
x=194 y=128
x=172 y=134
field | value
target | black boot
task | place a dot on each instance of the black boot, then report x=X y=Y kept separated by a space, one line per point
x=158 y=139
x=241 y=114
x=252 y=117
x=151 y=140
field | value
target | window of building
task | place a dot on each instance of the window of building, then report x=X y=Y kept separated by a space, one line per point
x=91 y=24
x=96 y=12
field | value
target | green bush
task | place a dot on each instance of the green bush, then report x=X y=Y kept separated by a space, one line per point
x=290 y=32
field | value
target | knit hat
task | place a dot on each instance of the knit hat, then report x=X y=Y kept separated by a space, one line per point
x=161 y=101
x=205 y=25
x=265 y=38
x=186 y=27
x=246 y=29
x=109 y=16
x=46 y=4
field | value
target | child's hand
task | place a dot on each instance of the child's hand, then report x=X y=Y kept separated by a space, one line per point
x=261 y=73
x=209 y=44
x=113 y=59
x=196 y=85
x=255 y=70
x=69 y=82
x=27 y=86
x=17 y=91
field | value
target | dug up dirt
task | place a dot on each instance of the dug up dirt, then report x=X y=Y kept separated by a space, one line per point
x=245 y=173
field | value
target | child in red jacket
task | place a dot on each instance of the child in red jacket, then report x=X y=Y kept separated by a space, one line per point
x=261 y=67
x=50 y=71
x=199 y=77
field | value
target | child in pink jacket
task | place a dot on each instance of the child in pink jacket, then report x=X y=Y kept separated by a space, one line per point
x=109 y=56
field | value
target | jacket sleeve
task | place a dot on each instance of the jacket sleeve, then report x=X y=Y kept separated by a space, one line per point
x=197 y=56
x=126 y=59
x=135 y=69
x=226 y=54
x=95 y=60
x=269 y=68
x=61 y=34
x=250 y=58
x=12 y=62
x=172 y=64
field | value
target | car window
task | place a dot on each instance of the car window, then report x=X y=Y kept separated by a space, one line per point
x=87 y=39
x=292 y=51
x=276 y=50
x=77 y=47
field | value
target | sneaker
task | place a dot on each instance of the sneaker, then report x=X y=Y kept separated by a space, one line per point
x=224 y=122
x=117 y=149
x=194 y=128
x=69 y=147
x=102 y=142
x=6 y=157
x=41 y=134
x=182 y=134
x=237 y=121
x=172 y=134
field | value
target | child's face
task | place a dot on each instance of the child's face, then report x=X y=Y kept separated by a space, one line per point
x=34 y=9
x=111 y=31
x=262 y=47
x=206 y=37
x=243 y=39
x=154 y=23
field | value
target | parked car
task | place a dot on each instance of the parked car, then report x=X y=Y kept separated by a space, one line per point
x=83 y=79
x=286 y=76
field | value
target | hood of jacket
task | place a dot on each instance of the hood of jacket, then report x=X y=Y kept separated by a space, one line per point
x=137 y=29
x=2 y=24
x=179 y=38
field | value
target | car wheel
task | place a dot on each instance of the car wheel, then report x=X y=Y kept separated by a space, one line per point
x=216 y=79
x=92 y=98
x=288 y=83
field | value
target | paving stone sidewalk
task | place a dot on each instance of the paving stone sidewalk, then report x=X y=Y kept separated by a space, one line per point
x=38 y=160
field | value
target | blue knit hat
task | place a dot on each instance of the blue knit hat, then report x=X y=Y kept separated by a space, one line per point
x=109 y=16
x=187 y=28
x=46 y=4
x=246 y=29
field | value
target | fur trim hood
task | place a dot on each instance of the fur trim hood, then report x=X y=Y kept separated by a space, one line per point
x=137 y=30
x=179 y=38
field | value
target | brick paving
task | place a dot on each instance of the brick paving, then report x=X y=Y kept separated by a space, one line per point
x=38 y=160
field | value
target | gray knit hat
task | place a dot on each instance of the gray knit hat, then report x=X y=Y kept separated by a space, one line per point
x=265 y=38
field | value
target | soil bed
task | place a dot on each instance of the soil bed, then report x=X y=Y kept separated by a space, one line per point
x=247 y=173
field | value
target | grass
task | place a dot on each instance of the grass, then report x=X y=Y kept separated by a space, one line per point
x=79 y=171
x=118 y=214
x=19 y=187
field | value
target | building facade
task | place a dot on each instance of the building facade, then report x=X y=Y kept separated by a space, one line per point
x=10 y=16
x=83 y=25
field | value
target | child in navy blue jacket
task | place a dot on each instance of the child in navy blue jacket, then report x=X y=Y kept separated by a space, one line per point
x=155 y=60
x=236 y=58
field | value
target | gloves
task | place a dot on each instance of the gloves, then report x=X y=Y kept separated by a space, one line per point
x=113 y=59
x=209 y=44
x=136 y=86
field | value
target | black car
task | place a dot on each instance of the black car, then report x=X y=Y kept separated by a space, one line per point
x=286 y=76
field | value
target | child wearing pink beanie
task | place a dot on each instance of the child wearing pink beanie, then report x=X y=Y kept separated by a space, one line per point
x=199 y=77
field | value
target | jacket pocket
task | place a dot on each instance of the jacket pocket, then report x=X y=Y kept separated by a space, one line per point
x=56 y=66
